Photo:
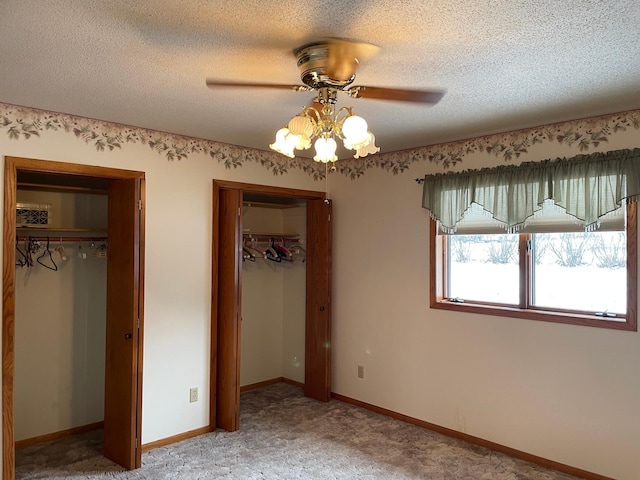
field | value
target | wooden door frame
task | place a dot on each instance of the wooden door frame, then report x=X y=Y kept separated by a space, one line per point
x=13 y=165
x=249 y=188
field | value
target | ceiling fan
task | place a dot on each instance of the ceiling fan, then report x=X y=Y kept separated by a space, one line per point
x=327 y=67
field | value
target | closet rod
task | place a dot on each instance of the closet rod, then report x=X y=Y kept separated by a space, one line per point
x=271 y=235
x=55 y=239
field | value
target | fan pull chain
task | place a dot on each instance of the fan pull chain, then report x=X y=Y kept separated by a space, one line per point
x=326 y=180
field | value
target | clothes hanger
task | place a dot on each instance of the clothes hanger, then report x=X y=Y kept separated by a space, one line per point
x=254 y=251
x=298 y=250
x=45 y=252
x=21 y=260
x=282 y=252
x=61 y=251
x=251 y=246
x=31 y=246
x=271 y=253
x=247 y=255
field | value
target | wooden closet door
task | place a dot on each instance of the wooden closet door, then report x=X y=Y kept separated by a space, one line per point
x=317 y=382
x=229 y=309
x=121 y=440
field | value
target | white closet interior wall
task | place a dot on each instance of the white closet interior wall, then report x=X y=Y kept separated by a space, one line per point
x=60 y=325
x=273 y=303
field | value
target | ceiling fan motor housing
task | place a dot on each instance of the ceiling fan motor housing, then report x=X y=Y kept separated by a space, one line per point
x=320 y=68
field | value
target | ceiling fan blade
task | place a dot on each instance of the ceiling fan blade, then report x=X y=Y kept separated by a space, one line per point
x=396 y=94
x=212 y=83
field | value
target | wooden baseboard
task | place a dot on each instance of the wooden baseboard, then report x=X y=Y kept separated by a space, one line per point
x=175 y=438
x=496 y=447
x=265 y=383
x=27 y=442
x=292 y=382
x=560 y=467
x=273 y=381
x=201 y=431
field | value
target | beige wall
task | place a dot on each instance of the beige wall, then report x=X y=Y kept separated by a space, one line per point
x=293 y=301
x=60 y=324
x=261 y=328
x=273 y=304
x=178 y=264
x=562 y=392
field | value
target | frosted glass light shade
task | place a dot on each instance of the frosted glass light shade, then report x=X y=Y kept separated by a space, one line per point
x=299 y=142
x=354 y=131
x=302 y=127
x=325 y=150
x=283 y=143
x=368 y=148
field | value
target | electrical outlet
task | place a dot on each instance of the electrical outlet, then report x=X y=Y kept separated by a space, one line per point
x=360 y=371
x=193 y=394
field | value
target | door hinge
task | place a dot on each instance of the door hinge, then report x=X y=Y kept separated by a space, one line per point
x=139 y=204
x=138 y=323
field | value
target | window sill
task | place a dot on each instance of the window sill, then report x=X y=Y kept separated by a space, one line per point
x=618 y=323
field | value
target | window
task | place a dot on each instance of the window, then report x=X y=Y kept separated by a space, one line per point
x=553 y=240
x=583 y=278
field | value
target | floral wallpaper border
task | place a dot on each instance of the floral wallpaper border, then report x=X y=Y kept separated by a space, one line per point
x=24 y=123
x=586 y=133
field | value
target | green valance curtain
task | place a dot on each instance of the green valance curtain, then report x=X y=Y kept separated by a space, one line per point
x=586 y=187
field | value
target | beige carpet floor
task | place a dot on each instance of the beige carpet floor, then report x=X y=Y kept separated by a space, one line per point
x=284 y=435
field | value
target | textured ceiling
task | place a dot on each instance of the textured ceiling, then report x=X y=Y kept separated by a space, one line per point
x=505 y=65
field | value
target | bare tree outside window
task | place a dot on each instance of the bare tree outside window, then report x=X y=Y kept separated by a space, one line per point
x=569 y=248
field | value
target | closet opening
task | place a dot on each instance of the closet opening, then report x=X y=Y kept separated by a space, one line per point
x=271 y=306
x=73 y=318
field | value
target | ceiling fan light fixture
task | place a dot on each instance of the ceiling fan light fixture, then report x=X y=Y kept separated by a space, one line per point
x=328 y=66
x=326 y=126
